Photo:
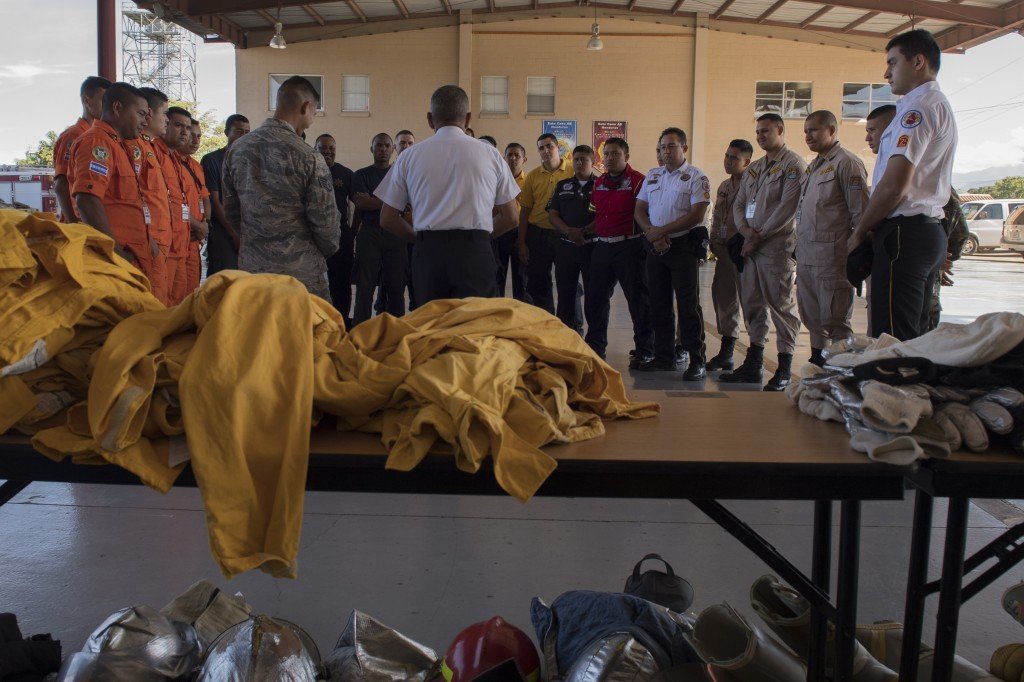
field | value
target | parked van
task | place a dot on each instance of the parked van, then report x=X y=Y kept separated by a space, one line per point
x=985 y=220
x=1013 y=232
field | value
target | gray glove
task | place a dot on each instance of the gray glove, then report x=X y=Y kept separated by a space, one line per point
x=893 y=409
x=994 y=416
x=967 y=423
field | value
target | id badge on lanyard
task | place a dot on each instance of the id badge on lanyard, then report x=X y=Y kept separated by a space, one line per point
x=145 y=214
x=184 y=212
x=751 y=209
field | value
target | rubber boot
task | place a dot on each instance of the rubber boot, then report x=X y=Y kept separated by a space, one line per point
x=724 y=358
x=788 y=614
x=782 y=375
x=735 y=650
x=818 y=357
x=884 y=641
x=750 y=372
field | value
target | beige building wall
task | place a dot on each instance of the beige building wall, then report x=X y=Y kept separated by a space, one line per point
x=644 y=76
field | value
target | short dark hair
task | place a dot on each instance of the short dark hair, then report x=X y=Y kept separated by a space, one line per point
x=404 y=132
x=518 y=146
x=678 y=132
x=618 y=142
x=120 y=92
x=322 y=136
x=232 y=120
x=918 y=42
x=823 y=116
x=744 y=146
x=178 y=111
x=883 y=110
x=295 y=91
x=774 y=118
x=154 y=97
x=93 y=83
x=374 y=138
x=449 y=104
x=548 y=136
x=489 y=140
x=583 y=149
x=196 y=122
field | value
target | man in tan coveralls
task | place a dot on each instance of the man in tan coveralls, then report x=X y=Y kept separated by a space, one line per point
x=834 y=194
x=725 y=287
x=764 y=212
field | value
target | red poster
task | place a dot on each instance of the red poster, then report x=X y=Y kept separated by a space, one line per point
x=603 y=131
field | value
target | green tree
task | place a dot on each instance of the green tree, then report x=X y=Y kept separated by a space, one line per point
x=42 y=155
x=1008 y=188
x=213 y=127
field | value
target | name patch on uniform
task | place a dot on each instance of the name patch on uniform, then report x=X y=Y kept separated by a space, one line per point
x=98 y=168
x=912 y=119
x=903 y=141
x=830 y=169
x=775 y=170
x=753 y=173
x=100 y=153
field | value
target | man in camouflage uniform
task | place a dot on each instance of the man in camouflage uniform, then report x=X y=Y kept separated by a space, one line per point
x=279 y=192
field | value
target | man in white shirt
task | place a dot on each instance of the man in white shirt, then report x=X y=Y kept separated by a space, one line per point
x=670 y=210
x=453 y=182
x=911 y=184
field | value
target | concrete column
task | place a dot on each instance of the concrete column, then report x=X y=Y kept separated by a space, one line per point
x=699 y=133
x=106 y=39
x=466 y=55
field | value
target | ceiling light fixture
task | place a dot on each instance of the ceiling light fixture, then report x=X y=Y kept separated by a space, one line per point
x=278 y=41
x=595 y=43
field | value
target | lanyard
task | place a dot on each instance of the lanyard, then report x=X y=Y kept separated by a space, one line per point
x=138 y=183
x=199 y=183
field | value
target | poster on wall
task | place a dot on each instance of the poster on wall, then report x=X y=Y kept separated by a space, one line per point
x=604 y=131
x=564 y=131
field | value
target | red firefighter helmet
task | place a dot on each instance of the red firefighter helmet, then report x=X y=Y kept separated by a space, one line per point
x=486 y=645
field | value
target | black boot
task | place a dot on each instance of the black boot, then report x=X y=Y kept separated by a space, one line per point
x=750 y=372
x=782 y=375
x=724 y=358
x=818 y=357
x=696 y=371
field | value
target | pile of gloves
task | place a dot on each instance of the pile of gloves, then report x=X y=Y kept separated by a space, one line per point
x=959 y=386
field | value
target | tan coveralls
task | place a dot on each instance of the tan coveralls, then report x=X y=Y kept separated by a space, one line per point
x=833 y=196
x=769 y=193
x=725 y=287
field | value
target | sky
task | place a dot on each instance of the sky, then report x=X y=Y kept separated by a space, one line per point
x=984 y=85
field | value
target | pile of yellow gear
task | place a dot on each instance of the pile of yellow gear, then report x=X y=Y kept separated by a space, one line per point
x=243 y=364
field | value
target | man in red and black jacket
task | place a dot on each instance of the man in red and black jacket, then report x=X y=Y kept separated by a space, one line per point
x=618 y=254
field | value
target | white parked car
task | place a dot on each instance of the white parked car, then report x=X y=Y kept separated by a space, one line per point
x=985 y=221
x=1013 y=232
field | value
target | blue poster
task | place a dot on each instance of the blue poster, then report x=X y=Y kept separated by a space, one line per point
x=565 y=131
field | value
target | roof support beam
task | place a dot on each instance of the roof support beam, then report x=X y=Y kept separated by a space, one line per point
x=401 y=8
x=677 y=6
x=356 y=9
x=770 y=11
x=901 y=28
x=632 y=4
x=269 y=18
x=814 y=17
x=447 y=6
x=721 y=9
x=857 y=22
x=962 y=37
x=314 y=14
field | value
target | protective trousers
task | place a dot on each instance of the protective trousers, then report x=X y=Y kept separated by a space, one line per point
x=766 y=286
x=621 y=262
x=339 y=272
x=379 y=254
x=506 y=255
x=572 y=264
x=541 y=243
x=725 y=291
x=825 y=300
x=909 y=252
x=676 y=272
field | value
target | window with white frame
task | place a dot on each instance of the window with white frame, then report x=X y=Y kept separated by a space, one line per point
x=540 y=95
x=788 y=99
x=860 y=98
x=494 y=95
x=355 y=93
x=277 y=79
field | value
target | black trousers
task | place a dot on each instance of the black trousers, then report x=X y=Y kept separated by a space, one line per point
x=220 y=251
x=380 y=257
x=452 y=264
x=620 y=262
x=506 y=254
x=572 y=264
x=909 y=252
x=339 y=273
x=541 y=244
x=676 y=272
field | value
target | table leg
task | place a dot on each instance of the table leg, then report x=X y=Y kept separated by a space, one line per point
x=8 y=489
x=846 y=589
x=917 y=580
x=951 y=585
x=821 y=573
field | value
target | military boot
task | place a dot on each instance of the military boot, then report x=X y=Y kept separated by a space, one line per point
x=782 y=375
x=724 y=358
x=817 y=357
x=750 y=372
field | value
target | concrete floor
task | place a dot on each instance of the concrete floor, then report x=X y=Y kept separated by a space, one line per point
x=430 y=565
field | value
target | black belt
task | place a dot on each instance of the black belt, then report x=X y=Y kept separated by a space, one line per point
x=910 y=220
x=453 y=235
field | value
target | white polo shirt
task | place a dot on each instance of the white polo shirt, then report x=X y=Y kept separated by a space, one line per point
x=671 y=195
x=924 y=132
x=452 y=181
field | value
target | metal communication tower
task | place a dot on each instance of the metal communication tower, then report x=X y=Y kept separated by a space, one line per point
x=158 y=53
